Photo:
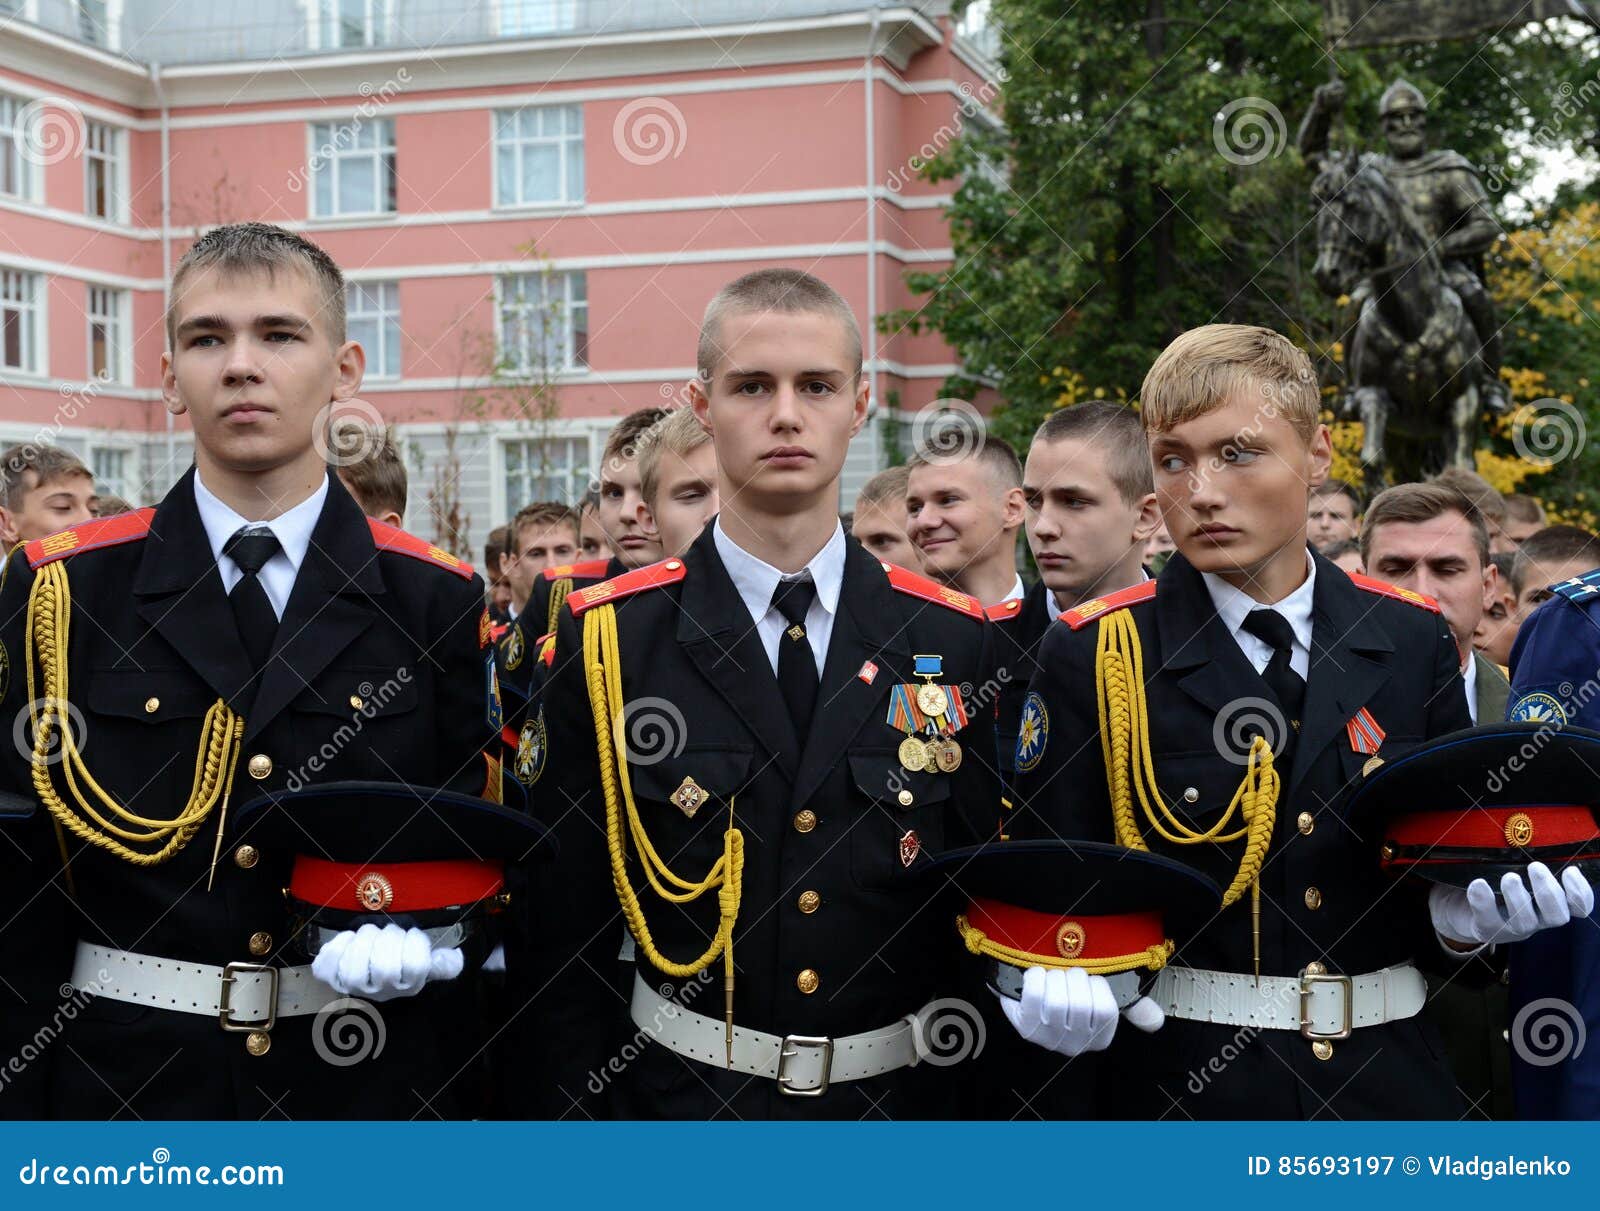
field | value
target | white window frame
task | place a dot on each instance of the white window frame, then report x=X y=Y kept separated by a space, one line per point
x=128 y=489
x=568 y=196
x=34 y=342
x=113 y=27
x=570 y=364
x=106 y=144
x=119 y=316
x=25 y=173
x=378 y=25
x=578 y=476
x=317 y=163
x=388 y=291
x=565 y=14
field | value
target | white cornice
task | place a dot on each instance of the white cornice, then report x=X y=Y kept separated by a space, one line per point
x=38 y=52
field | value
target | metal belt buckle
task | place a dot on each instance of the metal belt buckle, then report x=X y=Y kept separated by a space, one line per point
x=797 y=1041
x=1306 y=982
x=230 y=974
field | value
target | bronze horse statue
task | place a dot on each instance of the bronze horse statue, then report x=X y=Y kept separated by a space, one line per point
x=1414 y=365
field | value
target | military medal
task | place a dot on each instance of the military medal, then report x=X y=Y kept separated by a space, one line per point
x=948 y=756
x=910 y=847
x=930 y=698
x=929 y=715
x=913 y=755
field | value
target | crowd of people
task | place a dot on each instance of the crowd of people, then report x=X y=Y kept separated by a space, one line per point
x=686 y=764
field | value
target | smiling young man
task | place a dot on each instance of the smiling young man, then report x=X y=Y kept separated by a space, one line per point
x=963 y=512
x=252 y=632
x=758 y=683
x=1270 y=682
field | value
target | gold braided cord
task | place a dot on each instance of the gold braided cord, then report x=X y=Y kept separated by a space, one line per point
x=109 y=824
x=1152 y=958
x=603 y=662
x=1130 y=770
x=559 y=589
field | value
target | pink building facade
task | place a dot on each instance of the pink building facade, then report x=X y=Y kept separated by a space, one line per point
x=532 y=207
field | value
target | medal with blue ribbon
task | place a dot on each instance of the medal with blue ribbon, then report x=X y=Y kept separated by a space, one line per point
x=937 y=710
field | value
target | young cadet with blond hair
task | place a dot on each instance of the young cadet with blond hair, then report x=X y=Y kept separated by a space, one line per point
x=879 y=519
x=677 y=480
x=734 y=721
x=42 y=489
x=1271 y=681
x=225 y=645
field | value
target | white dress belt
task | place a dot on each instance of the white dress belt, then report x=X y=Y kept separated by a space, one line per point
x=802 y=1065
x=1319 y=1006
x=242 y=996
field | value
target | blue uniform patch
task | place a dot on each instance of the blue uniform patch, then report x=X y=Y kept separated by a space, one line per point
x=1034 y=732
x=1537 y=707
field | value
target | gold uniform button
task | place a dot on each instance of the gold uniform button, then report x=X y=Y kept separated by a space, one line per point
x=1313 y=898
x=1322 y=1049
x=260 y=766
x=152 y=705
x=357 y=701
x=1190 y=795
x=807 y=981
x=260 y=943
x=1306 y=822
x=906 y=798
x=246 y=856
x=810 y=901
x=805 y=821
x=1316 y=969
x=258 y=1042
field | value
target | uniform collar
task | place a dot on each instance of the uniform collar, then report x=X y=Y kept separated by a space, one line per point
x=292 y=527
x=755 y=580
x=1018 y=591
x=1233 y=605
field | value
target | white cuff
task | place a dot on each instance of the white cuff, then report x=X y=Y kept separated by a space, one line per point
x=1461 y=956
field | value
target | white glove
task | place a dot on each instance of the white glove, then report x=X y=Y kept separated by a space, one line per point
x=1473 y=916
x=1070 y=1012
x=382 y=964
x=495 y=960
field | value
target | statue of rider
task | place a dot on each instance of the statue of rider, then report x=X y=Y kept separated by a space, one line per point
x=1446 y=196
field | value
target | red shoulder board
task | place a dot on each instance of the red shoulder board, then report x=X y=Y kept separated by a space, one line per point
x=1081 y=616
x=498 y=631
x=668 y=571
x=388 y=538
x=1005 y=611
x=1384 y=589
x=103 y=532
x=547 y=649
x=589 y=569
x=914 y=585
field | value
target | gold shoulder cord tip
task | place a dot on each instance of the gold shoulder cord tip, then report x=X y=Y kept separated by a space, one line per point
x=1130 y=771
x=99 y=819
x=558 y=597
x=602 y=658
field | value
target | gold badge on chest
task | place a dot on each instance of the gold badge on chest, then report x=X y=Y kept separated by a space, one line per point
x=689 y=796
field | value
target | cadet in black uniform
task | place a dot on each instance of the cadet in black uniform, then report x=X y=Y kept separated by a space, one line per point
x=1222 y=715
x=252 y=633
x=794 y=746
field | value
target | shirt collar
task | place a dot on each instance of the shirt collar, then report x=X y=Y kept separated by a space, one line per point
x=756 y=580
x=293 y=527
x=1232 y=604
x=1469 y=678
x=1018 y=591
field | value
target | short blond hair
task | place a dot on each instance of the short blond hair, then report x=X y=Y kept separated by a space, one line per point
x=885 y=488
x=678 y=433
x=1205 y=367
x=785 y=291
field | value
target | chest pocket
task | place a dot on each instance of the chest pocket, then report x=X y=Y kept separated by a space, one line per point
x=1197 y=789
x=683 y=802
x=360 y=692
x=151 y=696
x=898 y=819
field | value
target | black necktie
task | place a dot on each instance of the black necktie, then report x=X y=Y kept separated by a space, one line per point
x=1273 y=629
x=797 y=666
x=250 y=548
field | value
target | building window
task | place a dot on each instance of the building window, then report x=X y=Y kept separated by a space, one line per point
x=525 y=18
x=544 y=322
x=113 y=471
x=102 y=171
x=538 y=155
x=372 y=317
x=108 y=334
x=20 y=306
x=552 y=468
x=336 y=23
x=15 y=167
x=353 y=168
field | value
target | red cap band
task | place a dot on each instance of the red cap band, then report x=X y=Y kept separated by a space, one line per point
x=1534 y=826
x=394 y=886
x=1070 y=937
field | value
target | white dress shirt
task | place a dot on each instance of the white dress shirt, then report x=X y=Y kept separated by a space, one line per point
x=1232 y=606
x=1018 y=591
x=293 y=529
x=756 y=581
x=1469 y=674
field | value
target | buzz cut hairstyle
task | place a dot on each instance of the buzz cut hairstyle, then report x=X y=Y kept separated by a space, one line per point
x=239 y=249
x=623 y=440
x=47 y=464
x=680 y=434
x=1524 y=508
x=1338 y=487
x=1477 y=489
x=883 y=488
x=541 y=515
x=1413 y=504
x=1207 y=367
x=785 y=291
x=377 y=479
x=1114 y=429
x=996 y=454
x=1553 y=544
